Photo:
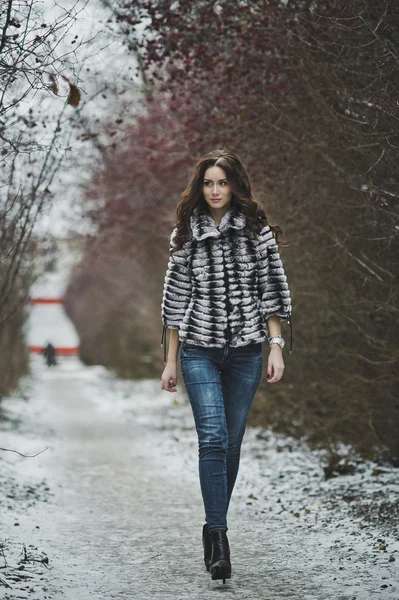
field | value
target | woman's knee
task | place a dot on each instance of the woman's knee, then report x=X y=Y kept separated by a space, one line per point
x=234 y=449
x=212 y=445
x=235 y=438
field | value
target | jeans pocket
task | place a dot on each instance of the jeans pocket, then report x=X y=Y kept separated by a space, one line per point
x=189 y=349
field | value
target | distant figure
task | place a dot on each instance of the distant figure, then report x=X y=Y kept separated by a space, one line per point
x=49 y=353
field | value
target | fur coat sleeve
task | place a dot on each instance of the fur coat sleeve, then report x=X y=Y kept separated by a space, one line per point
x=274 y=294
x=177 y=287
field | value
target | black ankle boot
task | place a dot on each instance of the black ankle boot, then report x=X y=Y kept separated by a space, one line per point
x=220 y=560
x=207 y=544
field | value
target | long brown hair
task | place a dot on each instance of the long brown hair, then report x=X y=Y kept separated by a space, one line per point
x=238 y=180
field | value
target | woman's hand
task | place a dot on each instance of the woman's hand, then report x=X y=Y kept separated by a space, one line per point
x=169 y=378
x=275 y=364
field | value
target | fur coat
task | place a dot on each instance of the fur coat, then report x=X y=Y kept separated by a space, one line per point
x=224 y=284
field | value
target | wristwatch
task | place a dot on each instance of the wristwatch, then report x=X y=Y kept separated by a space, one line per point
x=277 y=340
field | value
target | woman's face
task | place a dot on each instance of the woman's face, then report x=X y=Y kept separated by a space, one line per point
x=216 y=189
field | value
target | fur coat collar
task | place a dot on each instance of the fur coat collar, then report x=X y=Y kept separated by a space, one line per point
x=203 y=226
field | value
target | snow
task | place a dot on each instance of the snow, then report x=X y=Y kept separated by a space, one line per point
x=49 y=323
x=123 y=454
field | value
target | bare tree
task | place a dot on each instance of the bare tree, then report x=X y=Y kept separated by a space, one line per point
x=35 y=63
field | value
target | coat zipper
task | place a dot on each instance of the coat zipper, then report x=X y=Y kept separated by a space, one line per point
x=226 y=284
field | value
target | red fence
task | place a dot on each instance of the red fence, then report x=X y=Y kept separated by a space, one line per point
x=47 y=301
x=60 y=350
x=72 y=351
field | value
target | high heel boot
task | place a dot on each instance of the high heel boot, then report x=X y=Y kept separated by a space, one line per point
x=220 y=561
x=207 y=544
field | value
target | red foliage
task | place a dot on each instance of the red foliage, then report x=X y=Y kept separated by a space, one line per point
x=141 y=179
x=222 y=68
x=245 y=74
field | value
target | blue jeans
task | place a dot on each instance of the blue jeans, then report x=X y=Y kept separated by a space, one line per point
x=221 y=384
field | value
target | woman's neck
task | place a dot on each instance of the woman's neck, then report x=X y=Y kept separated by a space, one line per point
x=217 y=214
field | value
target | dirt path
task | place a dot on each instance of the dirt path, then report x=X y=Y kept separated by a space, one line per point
x=122 y=517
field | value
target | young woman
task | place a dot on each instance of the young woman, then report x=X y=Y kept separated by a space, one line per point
x=225 y=293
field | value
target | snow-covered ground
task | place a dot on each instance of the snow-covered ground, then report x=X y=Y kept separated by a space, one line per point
x=122 y=514
x=48 y=322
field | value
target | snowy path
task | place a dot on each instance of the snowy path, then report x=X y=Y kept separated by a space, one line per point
x=125 y=517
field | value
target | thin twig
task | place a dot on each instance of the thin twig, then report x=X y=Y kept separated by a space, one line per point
x=24 y=455
x=4 y=582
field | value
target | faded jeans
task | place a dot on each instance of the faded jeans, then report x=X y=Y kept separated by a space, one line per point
x=221 y=384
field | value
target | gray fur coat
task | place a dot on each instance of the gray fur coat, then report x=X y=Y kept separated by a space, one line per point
x=224 y=284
